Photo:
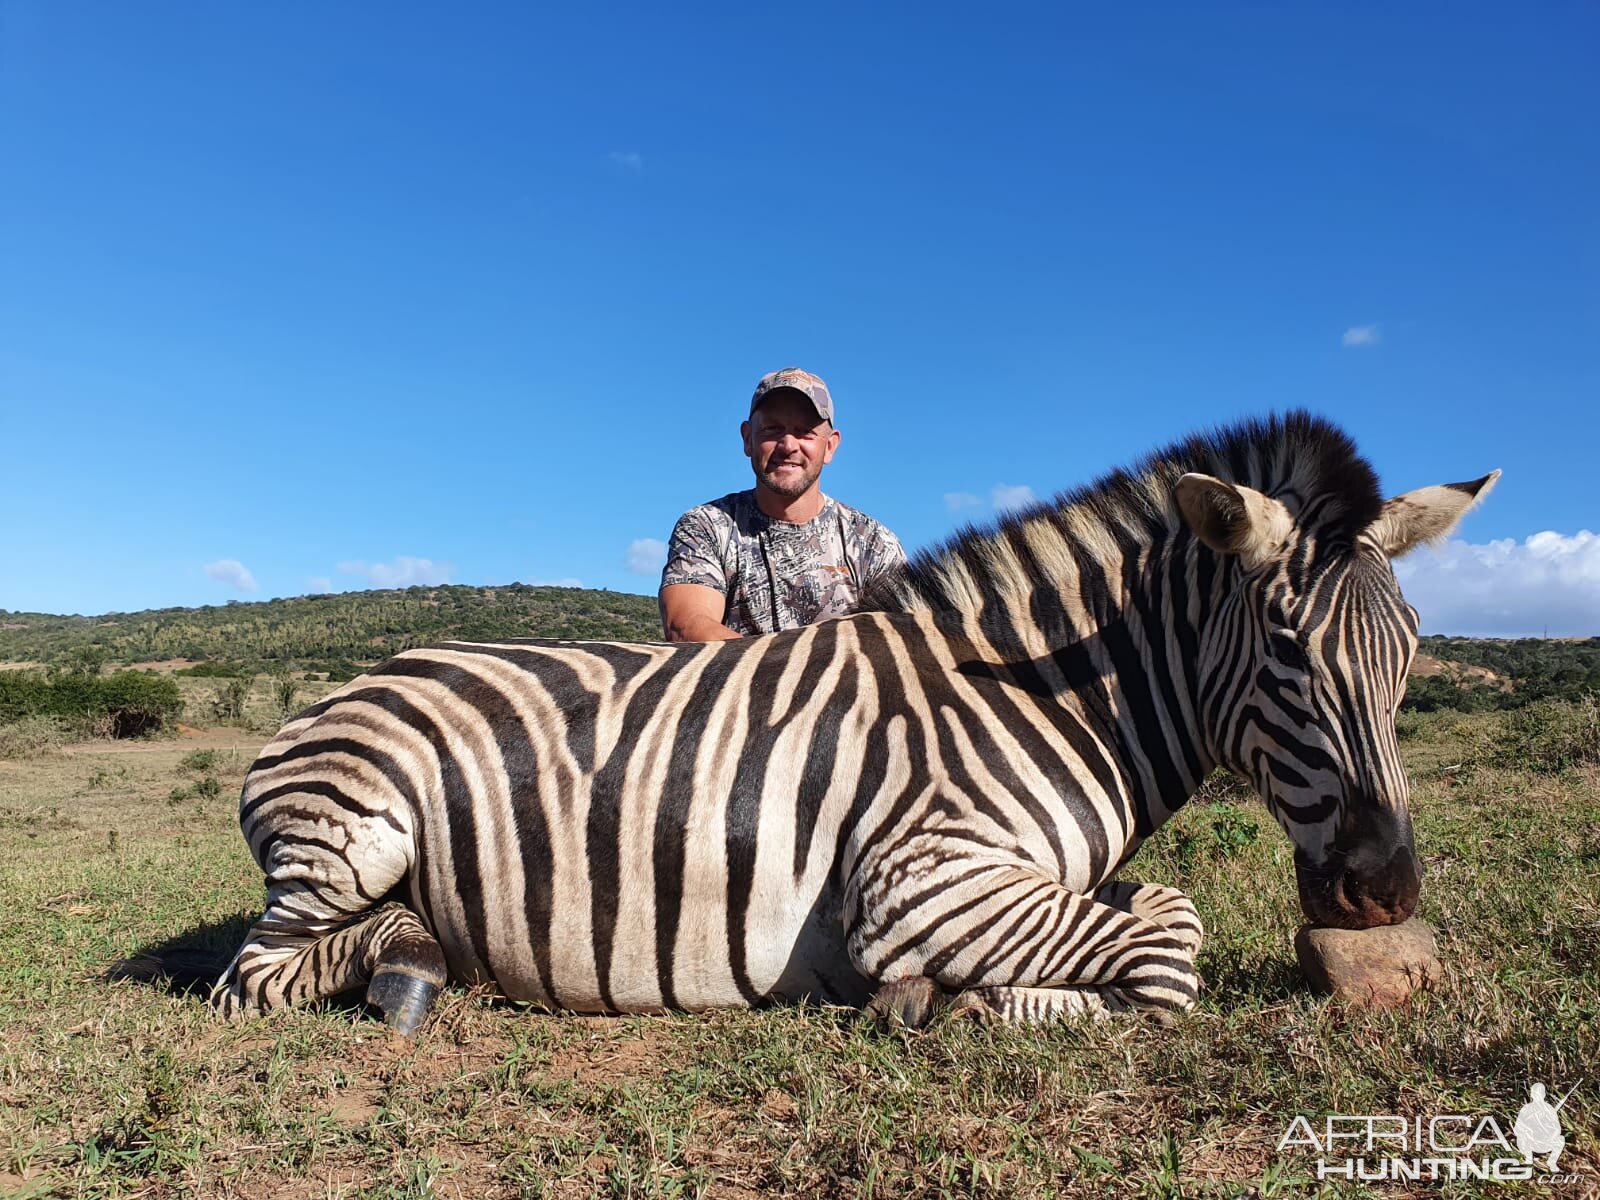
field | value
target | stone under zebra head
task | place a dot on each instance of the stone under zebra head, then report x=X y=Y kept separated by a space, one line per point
x=1303 y=670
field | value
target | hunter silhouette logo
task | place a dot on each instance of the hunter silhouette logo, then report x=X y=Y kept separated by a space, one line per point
x=1538 y=1127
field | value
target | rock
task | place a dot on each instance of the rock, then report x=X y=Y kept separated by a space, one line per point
x=1377 y=968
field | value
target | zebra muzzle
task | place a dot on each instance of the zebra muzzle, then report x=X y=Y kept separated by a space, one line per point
x=1359 y=896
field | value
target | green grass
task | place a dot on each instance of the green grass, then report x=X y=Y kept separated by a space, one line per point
x=121 y=1088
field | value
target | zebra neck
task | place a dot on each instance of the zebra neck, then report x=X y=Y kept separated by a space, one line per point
x=1113 y=645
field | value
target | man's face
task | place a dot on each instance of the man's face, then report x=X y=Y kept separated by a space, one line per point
x=788 y=444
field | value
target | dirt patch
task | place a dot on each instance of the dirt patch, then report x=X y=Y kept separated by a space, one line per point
x=29 y=1183
x=353 y=1107
x=1426 y=666
x=612 y=1060
x=245 y=741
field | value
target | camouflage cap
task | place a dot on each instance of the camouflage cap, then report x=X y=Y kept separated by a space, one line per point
x=793 y=379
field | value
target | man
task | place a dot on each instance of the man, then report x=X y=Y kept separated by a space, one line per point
x=783 y=554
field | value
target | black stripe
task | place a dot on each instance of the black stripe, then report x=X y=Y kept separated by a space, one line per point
x=822 y=751
x=462 y=810
x=317 y=787
x=672 y=816
x=603 y=835
x=742 y=813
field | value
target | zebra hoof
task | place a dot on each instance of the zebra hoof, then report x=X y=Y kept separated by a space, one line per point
x=911 y=1003
x=403 y=998
x=971 y=1006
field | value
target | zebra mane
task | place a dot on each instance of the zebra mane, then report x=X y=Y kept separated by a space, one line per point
x=1303 y=460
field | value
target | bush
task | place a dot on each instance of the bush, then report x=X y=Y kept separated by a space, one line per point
x=1410 y=724
x=284 y=690
x=198 y=760
x=32 y=735
x=125 y=704
x=211 y=670
x=1547 y=737
x=228 y=697
x=1430 y=693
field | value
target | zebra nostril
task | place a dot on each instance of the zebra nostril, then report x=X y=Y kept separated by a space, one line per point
x=1383 y=896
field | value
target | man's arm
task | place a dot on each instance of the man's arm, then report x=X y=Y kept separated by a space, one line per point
x=694 y=582
x=692 y=612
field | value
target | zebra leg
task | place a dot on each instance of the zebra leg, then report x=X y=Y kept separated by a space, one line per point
x=911 y=1002
x=1008 y=934
x=321 y=933
x=1166 y=906
x=388 y=949
x=408 y=969
x=1037 y=1005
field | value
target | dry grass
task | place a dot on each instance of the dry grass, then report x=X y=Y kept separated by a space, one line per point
x=117 y=1087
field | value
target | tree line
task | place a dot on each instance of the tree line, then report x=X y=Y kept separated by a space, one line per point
x=1529 y=670
x=332 y=630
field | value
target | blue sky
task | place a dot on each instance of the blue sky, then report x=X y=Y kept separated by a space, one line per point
x=358 y=294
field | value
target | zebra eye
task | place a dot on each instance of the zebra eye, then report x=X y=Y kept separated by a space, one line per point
x=1289 y=652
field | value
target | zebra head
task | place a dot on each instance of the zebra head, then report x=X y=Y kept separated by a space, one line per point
x=1303 y=667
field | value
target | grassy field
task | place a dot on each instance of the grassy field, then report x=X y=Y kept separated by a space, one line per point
x=117 y=1087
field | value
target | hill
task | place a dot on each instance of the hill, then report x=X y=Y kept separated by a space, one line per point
x=1477 y=674
x=341 y=632
x=330 y=630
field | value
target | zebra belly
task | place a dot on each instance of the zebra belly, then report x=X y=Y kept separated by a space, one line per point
x=793 y=943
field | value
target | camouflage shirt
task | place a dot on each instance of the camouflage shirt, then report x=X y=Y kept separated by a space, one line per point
x=777 y=574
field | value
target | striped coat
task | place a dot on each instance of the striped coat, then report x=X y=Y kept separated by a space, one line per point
x=926 y=802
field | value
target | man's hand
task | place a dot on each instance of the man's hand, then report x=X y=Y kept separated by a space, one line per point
x=692 y=612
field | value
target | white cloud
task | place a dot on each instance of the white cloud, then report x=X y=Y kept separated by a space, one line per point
x=404 y=571
x=1006 y=496
x=1549 y=582
x=319 y=585
x=646 y=556
x=956 y=501
x=233 y=573
x=631 y=159
x=1361 y=335
x=570 y=583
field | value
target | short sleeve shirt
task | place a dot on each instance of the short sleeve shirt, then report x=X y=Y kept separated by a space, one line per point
x=779 y=574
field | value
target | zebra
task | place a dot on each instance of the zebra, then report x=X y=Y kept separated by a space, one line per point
x=923 y=805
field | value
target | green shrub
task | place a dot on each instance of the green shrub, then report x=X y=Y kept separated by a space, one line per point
x=198 y=760
x=212 y=670
x=1228 y=831
x=284 y=689
x=1409 y=725
x=124 y=704
x=228 y=697
x=1546 y=737
x=1430 y=693
x=33 y=735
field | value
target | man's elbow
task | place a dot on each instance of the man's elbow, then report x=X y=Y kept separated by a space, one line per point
x=696 y=628
x=681 y=627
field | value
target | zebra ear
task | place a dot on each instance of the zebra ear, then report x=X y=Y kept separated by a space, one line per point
x=1232 y=519
x=1426 y=514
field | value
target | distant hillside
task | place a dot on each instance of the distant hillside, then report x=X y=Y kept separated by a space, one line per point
x=344 y=631
x=350 y=627
x=1484 y=673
